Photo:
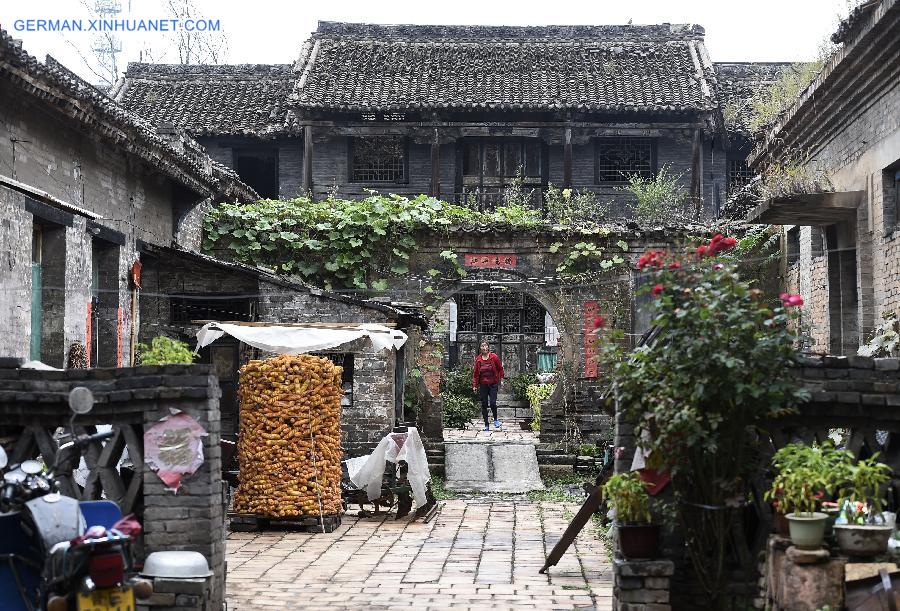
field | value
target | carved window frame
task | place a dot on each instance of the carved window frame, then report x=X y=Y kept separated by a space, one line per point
x=394 y=170
x=638 y=154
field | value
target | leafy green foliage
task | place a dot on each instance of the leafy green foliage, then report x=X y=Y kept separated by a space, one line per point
x=440 y=490
x=536 y=393
x=885 y=341
x=571 y=207
x=460 y=404
x=627 y=494
x=658 y=198
x=718 y=369
x=865 y=483
x=165 y=351
x=805 y=474
x=589 y=255
x=519 y=383
x=354 y=243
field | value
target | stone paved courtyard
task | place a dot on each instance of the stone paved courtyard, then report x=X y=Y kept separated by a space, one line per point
x=476 y=554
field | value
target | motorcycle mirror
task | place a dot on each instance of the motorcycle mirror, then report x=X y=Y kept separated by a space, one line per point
x=14 y=477
x=32 y=467
x=81 y=400
x=3 y=458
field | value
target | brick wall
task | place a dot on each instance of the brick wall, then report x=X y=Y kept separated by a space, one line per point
x=861 y=154
x=133 y=203
x=137 y=398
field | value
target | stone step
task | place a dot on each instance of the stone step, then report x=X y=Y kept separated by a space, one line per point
x=492 y=467
x=505 y=412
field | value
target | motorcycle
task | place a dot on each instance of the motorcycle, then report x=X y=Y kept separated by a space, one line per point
x=49 y=559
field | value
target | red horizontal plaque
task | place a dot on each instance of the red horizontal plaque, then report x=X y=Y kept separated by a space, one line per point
x=472 y=259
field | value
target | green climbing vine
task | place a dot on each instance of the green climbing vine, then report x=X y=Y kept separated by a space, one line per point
x=356 y=243
x=363 y=243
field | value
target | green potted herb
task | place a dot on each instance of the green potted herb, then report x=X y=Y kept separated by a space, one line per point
x=627 y=494
x=866 y=531
x=827 y=463
x=801 y=489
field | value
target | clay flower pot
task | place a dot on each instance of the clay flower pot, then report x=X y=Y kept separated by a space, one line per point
x=861 y=540
x=807 y=529
x=639 y=540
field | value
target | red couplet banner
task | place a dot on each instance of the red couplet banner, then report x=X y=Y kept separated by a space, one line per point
x=591 y=311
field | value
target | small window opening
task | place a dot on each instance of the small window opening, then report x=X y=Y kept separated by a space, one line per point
x=259 y=169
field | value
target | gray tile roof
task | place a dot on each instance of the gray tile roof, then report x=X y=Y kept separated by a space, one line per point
x=737 y=82
x=362 y=67
x=211 y=100
x=62 y=91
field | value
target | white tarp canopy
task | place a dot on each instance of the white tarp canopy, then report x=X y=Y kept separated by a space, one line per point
x=283 y=339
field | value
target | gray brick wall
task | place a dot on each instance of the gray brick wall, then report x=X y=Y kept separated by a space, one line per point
x=61 y=160
x=192 y=519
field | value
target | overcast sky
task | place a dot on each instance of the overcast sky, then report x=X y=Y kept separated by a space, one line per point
x=268 y=31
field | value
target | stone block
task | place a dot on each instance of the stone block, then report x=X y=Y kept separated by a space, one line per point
x=159 y=599
x=196 y=586
x=644 y=596
x=887 y=364
x=861 y=362
x=807 y=556
x=657 y=583
x=629 y=583
x=467 y=462
x=644 y=568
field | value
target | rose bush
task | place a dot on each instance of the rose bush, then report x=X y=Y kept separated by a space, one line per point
x=718 y=369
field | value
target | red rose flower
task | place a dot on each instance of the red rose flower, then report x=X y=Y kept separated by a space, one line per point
x=656 y=290
x=599 y=322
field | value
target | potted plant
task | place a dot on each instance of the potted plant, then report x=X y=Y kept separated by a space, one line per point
x=863 y=530
x=627 y=494
x=828 y=465
x=801 y=489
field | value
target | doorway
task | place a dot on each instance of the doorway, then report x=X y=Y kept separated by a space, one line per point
x=511 y=322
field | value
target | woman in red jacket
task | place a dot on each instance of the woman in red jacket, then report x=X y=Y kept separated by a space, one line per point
x=486 y=377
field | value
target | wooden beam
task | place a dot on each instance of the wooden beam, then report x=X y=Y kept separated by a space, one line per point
x=811 y=209
x=696 y=152
x=436 y=165
x=567 y=159
x=307 y=160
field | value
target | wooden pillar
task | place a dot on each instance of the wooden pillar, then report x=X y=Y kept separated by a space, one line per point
x=307 y=160
x=436 y=165
x=567 y=159
x=696 y=170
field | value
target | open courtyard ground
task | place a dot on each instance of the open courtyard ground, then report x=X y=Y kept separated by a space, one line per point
x=478 y=553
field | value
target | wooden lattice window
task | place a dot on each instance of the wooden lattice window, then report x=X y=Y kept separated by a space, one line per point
x=378 y=159
x=619 y=158
x=738 y=175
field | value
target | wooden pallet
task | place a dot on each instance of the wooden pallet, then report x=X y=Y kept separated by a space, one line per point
x=245 y=522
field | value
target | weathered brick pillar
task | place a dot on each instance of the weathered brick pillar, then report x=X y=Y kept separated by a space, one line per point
x=642 y=585
x=193 y=518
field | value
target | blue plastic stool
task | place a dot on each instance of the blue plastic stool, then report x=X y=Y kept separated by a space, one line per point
x=100 y=513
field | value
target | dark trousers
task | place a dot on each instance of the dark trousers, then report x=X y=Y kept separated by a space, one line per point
x=488 y=395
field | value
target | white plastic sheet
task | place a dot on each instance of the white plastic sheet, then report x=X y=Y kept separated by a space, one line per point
x=366 y=472
x=300 y=340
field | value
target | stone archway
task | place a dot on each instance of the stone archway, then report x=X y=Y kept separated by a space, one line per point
x=438 y=351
